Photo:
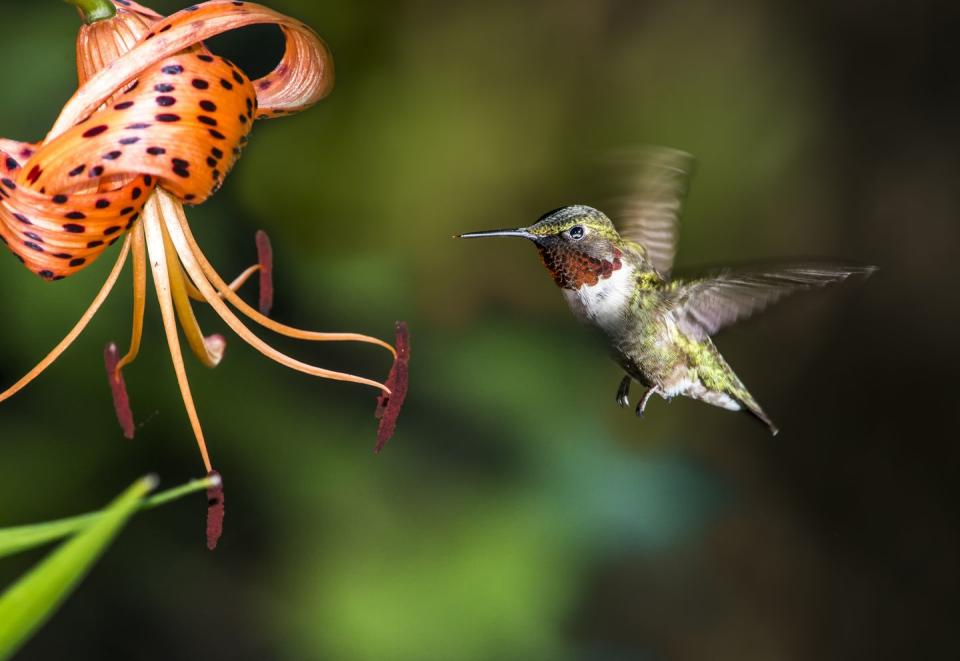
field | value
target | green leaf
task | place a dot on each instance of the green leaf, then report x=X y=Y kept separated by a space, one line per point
x=27 y=604
x=21 y=538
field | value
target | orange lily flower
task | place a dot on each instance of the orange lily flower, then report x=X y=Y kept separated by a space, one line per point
x=157 y=122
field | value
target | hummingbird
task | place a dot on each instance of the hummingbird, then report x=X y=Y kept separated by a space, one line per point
x=617 y=279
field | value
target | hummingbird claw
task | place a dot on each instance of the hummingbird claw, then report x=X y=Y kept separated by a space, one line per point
x=642 y=406
x=623 y=392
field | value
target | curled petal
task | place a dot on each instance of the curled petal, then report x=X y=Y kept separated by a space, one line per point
x=56 y=234
x=303 y=76
x=184 y=123
x=389 y=404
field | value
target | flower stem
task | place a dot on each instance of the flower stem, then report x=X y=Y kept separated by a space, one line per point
x=94 y=10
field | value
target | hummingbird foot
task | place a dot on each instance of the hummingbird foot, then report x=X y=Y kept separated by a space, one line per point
x=623 y=392
x=642 y=406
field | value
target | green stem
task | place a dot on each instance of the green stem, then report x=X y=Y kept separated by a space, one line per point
x=21 y=538
x=94 y=10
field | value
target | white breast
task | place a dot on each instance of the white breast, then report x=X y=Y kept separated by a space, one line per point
x=603 y=303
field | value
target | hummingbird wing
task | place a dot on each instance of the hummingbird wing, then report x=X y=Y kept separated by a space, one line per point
x=706 y=306
x=650 y=214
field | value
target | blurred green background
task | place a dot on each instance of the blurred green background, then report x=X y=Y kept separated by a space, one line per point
x=519 y=513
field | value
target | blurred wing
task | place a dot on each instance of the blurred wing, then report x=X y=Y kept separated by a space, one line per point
x=650 y=214
x=704 y=307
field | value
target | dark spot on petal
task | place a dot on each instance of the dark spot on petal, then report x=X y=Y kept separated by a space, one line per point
x=156 y=151
x=129 y=141
x=209 y=106
x=200 y=84
x=172 y=69
x=168 y=117
x=74 y=228
x=123 y=105
x=76 y=171
x=76 y=215
x=60 y=198
x=95 y=131
x=165 y=101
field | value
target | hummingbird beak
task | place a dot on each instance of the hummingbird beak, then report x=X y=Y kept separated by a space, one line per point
x=522 y=233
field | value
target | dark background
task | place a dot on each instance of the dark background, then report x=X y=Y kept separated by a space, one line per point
x=519 y=513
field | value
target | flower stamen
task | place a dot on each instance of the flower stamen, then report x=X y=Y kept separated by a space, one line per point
x=265 y=259
x=118 y=389
x=78 y=328
x=139 y=260
x=209 y=350
x=227 y=293
x=173 y=212
x=153 y=231
x=235 y=286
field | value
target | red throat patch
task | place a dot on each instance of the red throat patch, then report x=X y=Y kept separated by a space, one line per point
x=572 y=269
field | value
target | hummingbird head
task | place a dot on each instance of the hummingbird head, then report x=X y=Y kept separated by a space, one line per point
x=578 y=244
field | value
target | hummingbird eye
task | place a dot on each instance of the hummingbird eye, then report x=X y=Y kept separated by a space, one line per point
x=575 y=232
